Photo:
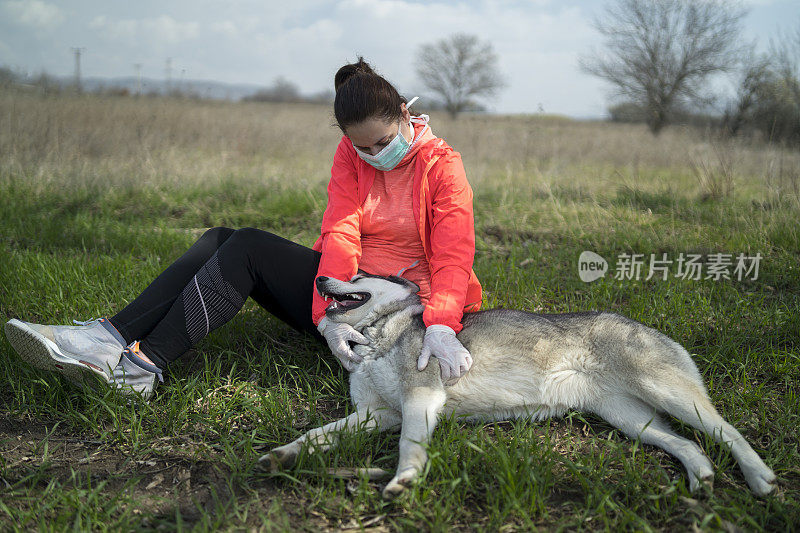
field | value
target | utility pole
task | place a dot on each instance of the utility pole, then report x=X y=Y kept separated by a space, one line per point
x=138 y=67
x=77 y=51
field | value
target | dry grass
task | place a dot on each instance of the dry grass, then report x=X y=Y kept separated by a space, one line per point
x=716 y=177
x=98 y=195
x=72 y=141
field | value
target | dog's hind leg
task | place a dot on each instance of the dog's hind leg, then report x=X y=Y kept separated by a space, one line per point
x=694 y=408
x=323 y=438
x=421 y=407
x=637 y=419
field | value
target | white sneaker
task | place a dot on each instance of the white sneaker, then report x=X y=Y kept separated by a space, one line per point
x=91 y=349
x=134 y=375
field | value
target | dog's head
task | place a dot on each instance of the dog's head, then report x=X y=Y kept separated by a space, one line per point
x=366 y=297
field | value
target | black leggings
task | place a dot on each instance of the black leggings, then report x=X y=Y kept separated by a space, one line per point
x=208 y=285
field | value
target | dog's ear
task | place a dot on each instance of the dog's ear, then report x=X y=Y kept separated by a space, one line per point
x=358 y=273
x=405 y=282
x=414 y=287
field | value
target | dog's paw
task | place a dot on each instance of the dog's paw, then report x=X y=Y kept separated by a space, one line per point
x=399 y=483
x=393 y=490
x=280 y=458
x=762 y=483
x=702 y=479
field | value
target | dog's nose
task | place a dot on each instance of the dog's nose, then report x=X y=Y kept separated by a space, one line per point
x=321 y=279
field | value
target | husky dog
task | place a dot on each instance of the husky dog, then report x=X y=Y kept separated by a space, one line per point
x=525 y=365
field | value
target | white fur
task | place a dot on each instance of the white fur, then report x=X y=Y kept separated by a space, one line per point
x=525 y=365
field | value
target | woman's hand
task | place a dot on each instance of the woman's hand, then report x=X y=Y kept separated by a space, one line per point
x=337 y=335
x=441 y=342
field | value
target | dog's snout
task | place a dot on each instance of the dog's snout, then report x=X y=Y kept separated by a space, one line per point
x=319 y=283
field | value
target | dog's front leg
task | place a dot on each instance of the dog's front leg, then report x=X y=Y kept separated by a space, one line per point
x=322 y=438
x=421 y=407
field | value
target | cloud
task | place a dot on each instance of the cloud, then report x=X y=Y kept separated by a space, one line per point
x=255 y=41
x=537 y=44
x=7 y=56
x=163 y=29
x=228 y=27
x=33 y=13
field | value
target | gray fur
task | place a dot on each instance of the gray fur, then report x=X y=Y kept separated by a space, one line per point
x=525 y=365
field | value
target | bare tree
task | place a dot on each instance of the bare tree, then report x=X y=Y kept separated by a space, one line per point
x=787 y=58
x=768 y=93
x=658 y=53
x=755 y=72
x=282 y=90
x=458 y=68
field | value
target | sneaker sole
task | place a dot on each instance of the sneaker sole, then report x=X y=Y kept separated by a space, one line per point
x=43 y=353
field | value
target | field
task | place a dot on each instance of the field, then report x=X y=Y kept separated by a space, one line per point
x=98 y=196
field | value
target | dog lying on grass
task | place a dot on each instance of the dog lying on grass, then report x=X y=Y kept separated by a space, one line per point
x=525 y=365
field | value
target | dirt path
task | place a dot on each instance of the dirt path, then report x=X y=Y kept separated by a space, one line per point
x=175 y=474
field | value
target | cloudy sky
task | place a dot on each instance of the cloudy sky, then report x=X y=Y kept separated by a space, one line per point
x=305 y=41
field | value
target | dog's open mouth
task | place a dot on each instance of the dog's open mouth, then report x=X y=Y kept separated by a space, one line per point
x=345 y=301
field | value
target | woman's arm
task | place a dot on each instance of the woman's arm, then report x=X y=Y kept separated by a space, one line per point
x=452 y=243
x=341 y=225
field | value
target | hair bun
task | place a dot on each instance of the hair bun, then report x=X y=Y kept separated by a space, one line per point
x=350 y=70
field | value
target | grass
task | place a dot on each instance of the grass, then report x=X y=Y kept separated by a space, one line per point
x=98 y=196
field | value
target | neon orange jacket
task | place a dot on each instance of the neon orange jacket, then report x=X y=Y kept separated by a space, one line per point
x=442 y=205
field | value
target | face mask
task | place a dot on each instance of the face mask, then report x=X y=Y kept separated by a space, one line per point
x=392 y=153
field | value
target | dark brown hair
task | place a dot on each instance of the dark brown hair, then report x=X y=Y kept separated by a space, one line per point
x=362 y=94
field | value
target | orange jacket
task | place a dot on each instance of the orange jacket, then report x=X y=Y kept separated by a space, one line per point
x=442 y=205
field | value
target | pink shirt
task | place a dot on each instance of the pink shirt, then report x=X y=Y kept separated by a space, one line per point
x=389 y=235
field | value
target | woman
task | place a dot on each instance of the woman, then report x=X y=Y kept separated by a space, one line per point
x=398 y=201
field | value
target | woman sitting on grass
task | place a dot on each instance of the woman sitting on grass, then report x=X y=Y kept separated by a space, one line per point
x=398 y=202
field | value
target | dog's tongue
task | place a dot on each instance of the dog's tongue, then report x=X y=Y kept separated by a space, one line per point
x=344 y=302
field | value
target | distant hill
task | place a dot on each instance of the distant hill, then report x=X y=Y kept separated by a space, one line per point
x=202 y=88
x=216 y=90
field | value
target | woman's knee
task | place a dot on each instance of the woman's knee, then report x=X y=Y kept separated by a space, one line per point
x=217 y=235
x=254 y=237
x=261 y=243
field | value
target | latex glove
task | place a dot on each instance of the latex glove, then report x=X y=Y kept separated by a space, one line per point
x=337 y=334
x=441 y=342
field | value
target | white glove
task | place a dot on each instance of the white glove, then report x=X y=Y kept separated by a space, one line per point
x=337 y=334
x=441 y=342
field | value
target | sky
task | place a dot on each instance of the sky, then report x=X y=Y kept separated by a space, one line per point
x=538 y=42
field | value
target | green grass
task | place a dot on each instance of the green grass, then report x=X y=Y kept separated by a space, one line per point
x=86 y=459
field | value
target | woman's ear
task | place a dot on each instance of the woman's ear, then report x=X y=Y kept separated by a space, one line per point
x=405 y=112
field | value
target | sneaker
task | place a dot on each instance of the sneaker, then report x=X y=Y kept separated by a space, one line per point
x=90 y=350
x=134 y=375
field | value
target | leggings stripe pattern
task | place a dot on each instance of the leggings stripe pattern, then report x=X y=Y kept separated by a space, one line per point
x=209 y=301
x=208 y=285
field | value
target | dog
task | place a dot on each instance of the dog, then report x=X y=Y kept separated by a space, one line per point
x=526 y=365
